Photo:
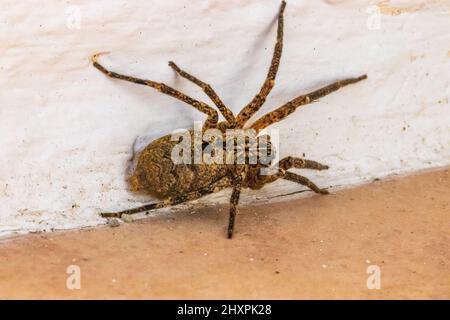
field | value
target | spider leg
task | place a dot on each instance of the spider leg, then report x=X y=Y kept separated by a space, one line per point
x=211 y=121
x=172 y=201
x=250 y=109
x=304 y=181
x=262 y=180
x=209 y=91
x=299 y=163
x=119 y=214
x=237 y=186
x=288 y=108
x=288 y=163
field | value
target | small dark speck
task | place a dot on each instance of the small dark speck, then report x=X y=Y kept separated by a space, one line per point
x=304 y=154
x=277 y=272
x=181 y=251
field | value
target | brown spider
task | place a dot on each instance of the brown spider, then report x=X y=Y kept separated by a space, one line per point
x=157 y=175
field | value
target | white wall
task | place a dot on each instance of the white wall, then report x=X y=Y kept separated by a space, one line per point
x=66 y=130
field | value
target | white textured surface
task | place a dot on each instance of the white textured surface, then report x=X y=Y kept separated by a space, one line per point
x=66 y=130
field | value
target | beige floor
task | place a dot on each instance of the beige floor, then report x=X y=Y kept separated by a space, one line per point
x=317 y=247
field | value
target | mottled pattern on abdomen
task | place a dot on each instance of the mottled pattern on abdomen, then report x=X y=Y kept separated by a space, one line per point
x=156 y=174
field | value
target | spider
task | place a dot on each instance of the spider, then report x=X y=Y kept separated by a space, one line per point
x=172 y=184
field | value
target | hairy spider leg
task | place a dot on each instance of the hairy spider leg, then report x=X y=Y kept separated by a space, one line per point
x=304 y=181
x=212 y=115
x=209 y=91
x=288 y=108
x=289 y=163
x=172 y=201
x=234 y=201
x=250 y=109
x=300 y=163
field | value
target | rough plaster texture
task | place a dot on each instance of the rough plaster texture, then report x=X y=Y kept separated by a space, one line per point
x=66 y=130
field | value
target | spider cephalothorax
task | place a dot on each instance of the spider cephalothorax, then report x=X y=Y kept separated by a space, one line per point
x=157 y=173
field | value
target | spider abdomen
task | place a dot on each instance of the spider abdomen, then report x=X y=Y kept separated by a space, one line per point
x=158 y=175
